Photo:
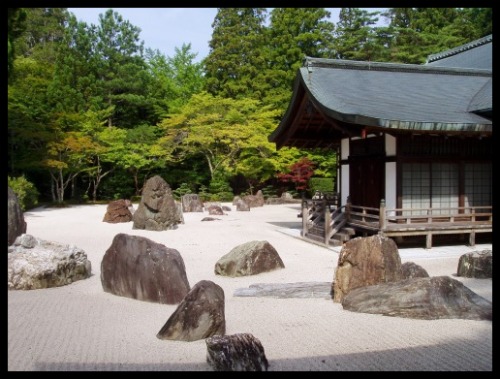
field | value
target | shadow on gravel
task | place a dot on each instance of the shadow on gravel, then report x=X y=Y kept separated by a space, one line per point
x=454 y=355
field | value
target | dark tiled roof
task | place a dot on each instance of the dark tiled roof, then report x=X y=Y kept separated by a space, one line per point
x=482 y=101
x=451 y=93
x=401 y=96
x=476 y=54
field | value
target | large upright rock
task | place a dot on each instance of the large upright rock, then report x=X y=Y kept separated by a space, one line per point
x=157 y=209
x=35 y=264
x=141 y=269
x=365 y=261
x=198 y=316
x=15 y=217
x=249 y=258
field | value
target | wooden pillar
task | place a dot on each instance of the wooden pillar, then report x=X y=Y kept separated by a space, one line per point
x=328 y=227
x=428 y=241
x=305 y=216
x=382 y=219
x=348 y=209
x=472 y=238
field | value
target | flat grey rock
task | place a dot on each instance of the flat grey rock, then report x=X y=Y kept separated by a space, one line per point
x=322 y=290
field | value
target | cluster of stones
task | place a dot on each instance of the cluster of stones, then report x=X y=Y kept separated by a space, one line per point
x=138 y=268
x=369 y=276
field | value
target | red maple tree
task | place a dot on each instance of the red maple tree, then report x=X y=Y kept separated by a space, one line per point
x=299 y=174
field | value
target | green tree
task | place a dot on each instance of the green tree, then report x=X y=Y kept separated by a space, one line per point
x=294 y=33
x=28 y=115
x=143 y=152
x=122 y=71
x=234 y=66
x=44 y=30
x=75 y=87
x=355 y=35
x=480 y=18
x=175 y=79
x=16 y=18
x=220 y=130
x=419 y=32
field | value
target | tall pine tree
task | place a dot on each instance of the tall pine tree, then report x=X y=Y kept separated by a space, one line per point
x=234 y=66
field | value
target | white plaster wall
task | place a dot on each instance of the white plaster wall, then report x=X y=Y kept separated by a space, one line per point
x=344 y=183
x=344 y=148
x=390 y=145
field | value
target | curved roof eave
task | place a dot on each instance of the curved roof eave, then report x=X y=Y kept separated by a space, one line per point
x=394 y=124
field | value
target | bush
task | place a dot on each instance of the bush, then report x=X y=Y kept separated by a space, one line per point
x=203 y=193
x=26 y=192
x=183 y=189
x=220 y=189
x=269 y=191
x=321 y=184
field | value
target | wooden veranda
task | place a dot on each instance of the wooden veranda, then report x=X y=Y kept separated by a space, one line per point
x=324 y=221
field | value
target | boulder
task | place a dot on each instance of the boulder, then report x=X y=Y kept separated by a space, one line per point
x=157 y=209
x=242 y=206
x=198 y=316
x=365 y=261
x=191 y=203
x=236 y=352
x=15 y=217
x=118 y=211
x=215 y=210
x=477 y=264
x=35 y=263
x=429 y=298
x=250 y=258
x=138 y=268
x=412 y=270
x=256 y=200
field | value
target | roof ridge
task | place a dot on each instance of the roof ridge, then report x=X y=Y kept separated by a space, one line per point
x=311 y=62
x=459 y=49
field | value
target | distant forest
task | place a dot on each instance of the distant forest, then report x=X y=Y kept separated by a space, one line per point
x=93 y=113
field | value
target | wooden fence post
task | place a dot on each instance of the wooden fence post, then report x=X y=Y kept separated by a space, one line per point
x=328 y=220
x=305 y=216
x=348 y=209
x=382 y=219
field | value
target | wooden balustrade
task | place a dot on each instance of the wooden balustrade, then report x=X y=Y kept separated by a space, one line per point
x=325 y=217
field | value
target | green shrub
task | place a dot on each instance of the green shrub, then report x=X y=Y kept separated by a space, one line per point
x=321 y=184
x=269 y=191
x=220 y=190
x=203 y=193
x=26 y=192
x=183 y=189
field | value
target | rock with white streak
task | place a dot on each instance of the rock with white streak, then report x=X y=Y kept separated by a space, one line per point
x=35 y=263
x=237 y=352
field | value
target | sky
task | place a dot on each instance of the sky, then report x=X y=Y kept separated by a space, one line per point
x=168 y=28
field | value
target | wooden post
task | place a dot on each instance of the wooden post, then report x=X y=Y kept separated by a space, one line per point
x=305 y=216
x=428 y=241
x=328 y=227
x=348 y=209
x=472 y=238
x=382 y=219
